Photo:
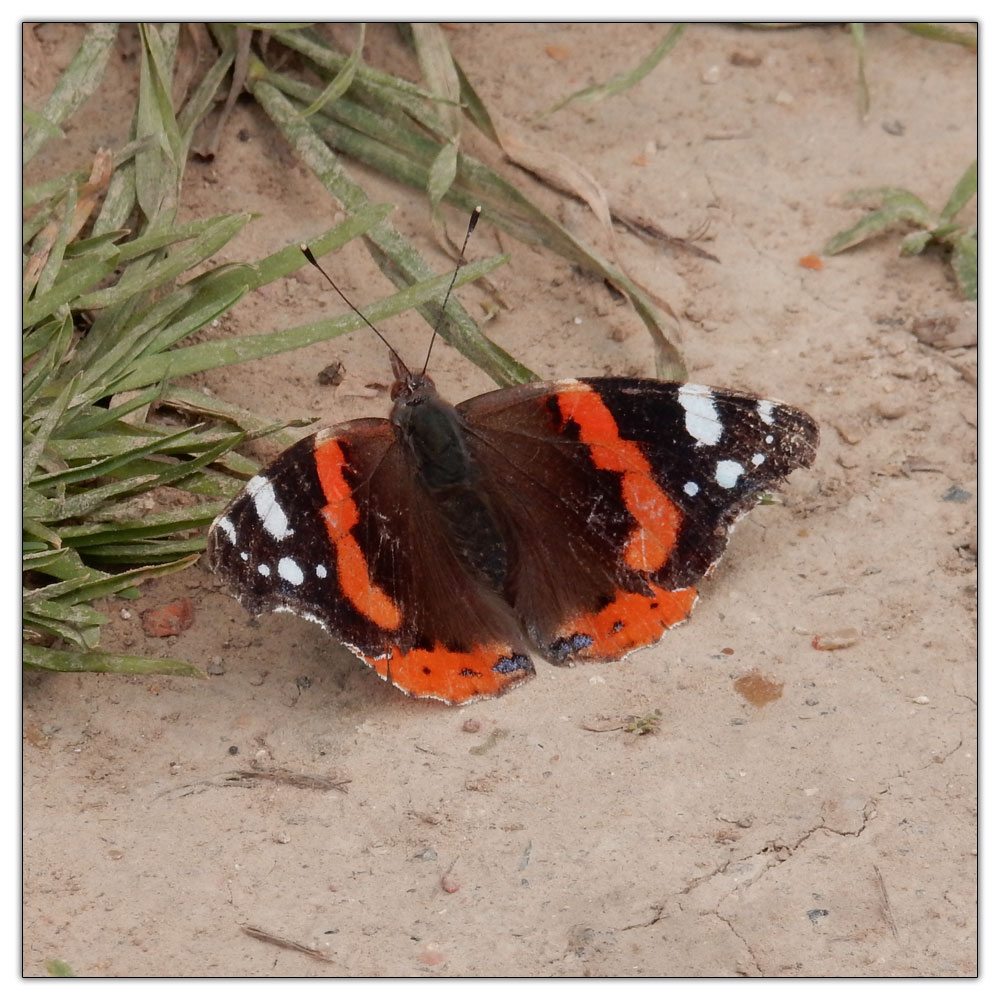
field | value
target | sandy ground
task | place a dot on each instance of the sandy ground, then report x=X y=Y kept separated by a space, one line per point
x=830 y=831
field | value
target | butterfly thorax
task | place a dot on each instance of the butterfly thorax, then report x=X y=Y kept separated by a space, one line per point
x=431 y=430
x=435 y=435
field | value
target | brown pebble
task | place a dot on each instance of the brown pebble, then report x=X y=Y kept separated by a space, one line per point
x=471 y=726
x=170 y=619
x=449 y=883
x=744 y=57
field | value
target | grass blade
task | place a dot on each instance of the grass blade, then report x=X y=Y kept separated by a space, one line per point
x=76 y=282
x=600 y=92
x=343 y=79
x=37 y=443
x=284 y=262
x=965 y=262
x=81 y=79
x=966 y=187
x=439 y=72
x=212 y=239
x=864 y=95
x=942 y=33
x=898 y=205
x=76 y=661
x=122 y=450
x=217 y=354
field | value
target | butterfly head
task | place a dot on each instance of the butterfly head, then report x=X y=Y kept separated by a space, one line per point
x=409 y=389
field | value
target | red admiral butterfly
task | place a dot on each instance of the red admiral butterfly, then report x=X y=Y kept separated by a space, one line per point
x=446 y=544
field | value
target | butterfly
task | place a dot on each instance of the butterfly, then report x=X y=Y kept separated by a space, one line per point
x=448 y=545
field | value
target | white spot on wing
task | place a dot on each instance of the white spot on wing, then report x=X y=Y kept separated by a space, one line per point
x=766 y=410
x=701 y=419
x=691 y=489
x=245 y=556
x=226 y=526
x=264 y=569
x=727 y=472
x=321 y=571
x=272 y=517
x=758 y=459
x=289 y=569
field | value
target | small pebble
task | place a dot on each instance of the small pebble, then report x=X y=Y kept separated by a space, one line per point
x=889 y=410
x=836 y=640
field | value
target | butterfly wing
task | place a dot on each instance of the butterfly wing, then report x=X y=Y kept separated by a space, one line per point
x=336 y=530
x=633 y=485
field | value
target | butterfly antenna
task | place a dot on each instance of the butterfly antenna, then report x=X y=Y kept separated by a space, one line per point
x=476 y=212
x=308 y=254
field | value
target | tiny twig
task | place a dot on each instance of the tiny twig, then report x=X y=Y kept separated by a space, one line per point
x=284 y=776
x=282 y=942
x=886 y=908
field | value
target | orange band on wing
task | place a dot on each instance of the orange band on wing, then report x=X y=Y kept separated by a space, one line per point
x=659 y=520
x=341 y=515
x=453 y=677
x=629 y=622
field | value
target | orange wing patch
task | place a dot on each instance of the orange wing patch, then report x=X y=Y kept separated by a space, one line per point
x=659 y=519
x=341 y=515
x=452 y=677
x=629 y=622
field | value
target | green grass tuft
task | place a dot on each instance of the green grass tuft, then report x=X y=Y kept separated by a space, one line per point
x=894 y=206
